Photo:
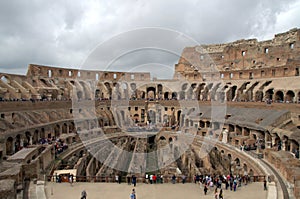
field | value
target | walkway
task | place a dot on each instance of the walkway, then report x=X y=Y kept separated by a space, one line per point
x=147 y=191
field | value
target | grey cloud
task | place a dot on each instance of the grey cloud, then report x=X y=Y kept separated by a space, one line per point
x=64 y=33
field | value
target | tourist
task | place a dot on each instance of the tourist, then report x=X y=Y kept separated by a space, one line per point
x=83 y=194
x=154 y=178
x=183 y=179
x=133 y=194
x=265 y=185
x=173 y=179
x=117 y=178
x=221 y=194
x=205 y=189
x=71 y=178
x=134 y=180
x=151 y=178
x=146 y=178
x=128 y=179
x=216 y=193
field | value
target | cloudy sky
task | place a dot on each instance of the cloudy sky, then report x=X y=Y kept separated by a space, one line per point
x=66 y=33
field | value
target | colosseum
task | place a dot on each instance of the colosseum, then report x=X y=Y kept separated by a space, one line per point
x=230 y=108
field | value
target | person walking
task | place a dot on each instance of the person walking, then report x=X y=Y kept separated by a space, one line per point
x=173 y=179
x=83 y=194
x=133 y=194
x=265 y=185
x=205 y=189
x=221 y=194
x=134 y=180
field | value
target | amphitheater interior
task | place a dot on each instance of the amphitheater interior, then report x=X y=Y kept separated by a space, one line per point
x=230 y=108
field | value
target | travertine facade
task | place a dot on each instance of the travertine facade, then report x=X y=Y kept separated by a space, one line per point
x=258 y=82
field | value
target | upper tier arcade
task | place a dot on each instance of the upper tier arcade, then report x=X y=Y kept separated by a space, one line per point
x=242 y=59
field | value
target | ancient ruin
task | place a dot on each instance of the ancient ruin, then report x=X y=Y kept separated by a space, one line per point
x=105 y=123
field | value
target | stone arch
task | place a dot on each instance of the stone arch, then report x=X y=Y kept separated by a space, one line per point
x=166 y=96
x=136 y=118
x=199 y=90
x=208 y=124
x=72 y=128
x=237 y=161
x=9 y=146
x=201 y=124
x=290 y=96
x=160 y=91
x=79 y=95
x=269 y=94
x=42 y=134
x=286 y=143
x=174 y=95
x=57 y=131
x=162 y=138
x=18 y=143
x=231 y=93
x=279 y=96
x=28 y=139
x=5 y=79
x=178 y=116
x=36 y=137
x=65 y=128
x=151 y=92
x=259 y=96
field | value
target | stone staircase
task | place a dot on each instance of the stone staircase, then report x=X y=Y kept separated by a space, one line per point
x=151 y=161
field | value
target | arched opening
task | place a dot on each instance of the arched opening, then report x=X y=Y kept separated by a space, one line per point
x=160 y=91
x=28 y=139
x=290 y=95
x=231 y=93
x=269 y=94
x=72 y=127
x=151 y=93
x=9 y=146
x=166 y=95
x=178 y=117
x=136 y=118
x=65 y=128
x=42 y=133
x=174 y=95
x=231 y=128
x=286 y=143
x=201 y=124
x=57 y=131
x=279 y=97
x=18 y=143
x=162 y=138
x=208 y=124
x=237 y=161
x=238 y=130
x=79 y=95
x=98 y=94
x=35 y=137
x=246 y=131
x=259 y=95
x=5 y=79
